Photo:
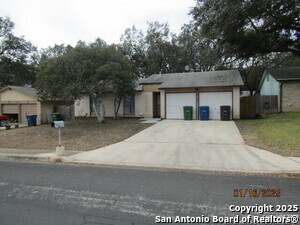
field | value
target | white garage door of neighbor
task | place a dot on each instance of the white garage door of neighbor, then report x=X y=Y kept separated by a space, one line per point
x=175 y=103
x=214 y=100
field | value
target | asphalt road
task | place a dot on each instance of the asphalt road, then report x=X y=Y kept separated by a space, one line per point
x=35 y=193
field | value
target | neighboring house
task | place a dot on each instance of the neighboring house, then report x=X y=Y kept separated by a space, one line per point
x=284 y=83
x=164 y=95
x=17 y=102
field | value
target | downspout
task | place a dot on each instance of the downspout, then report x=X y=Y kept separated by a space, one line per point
x=197 y=104
x=280 y=97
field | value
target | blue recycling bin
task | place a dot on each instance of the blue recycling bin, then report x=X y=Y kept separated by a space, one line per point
x=204 y=112
x=31 y=119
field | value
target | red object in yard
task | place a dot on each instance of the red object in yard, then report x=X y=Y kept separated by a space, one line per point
x=4 y=118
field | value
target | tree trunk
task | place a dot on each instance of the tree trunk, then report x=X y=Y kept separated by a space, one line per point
x=117 y=103
x=115 y=109
x=99 y=108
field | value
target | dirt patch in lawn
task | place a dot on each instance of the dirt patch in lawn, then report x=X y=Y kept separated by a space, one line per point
x=80 y=135
x=278 y=133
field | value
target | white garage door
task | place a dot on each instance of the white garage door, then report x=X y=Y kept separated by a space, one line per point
x=175 y=103
x=214 y=100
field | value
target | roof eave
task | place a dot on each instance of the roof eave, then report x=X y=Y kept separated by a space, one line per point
x=141 y=83
x=288 y=79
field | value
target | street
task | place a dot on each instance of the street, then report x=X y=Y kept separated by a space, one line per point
x=36 y=193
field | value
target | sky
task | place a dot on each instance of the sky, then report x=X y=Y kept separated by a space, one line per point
x=49 y=22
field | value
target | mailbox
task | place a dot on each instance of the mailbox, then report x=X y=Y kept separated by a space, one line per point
x=58 y=124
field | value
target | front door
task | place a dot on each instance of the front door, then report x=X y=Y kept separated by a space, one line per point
x=156 y=104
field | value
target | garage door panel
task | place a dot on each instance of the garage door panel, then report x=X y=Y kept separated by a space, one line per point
x=27 y=109
x=10 y=109
x=175 y=103
x=214 y=100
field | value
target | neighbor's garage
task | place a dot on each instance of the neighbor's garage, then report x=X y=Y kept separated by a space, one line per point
x=175 y=103
x=214 y=100
x=17 y=112
x=17 y=102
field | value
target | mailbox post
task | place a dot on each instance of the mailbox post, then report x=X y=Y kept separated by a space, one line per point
x=60 y=149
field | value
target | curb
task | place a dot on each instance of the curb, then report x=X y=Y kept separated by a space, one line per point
x=28 y=158
x=271 y=174
x=66 y=160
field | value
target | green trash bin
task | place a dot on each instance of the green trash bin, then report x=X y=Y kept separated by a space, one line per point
x=188 y=112
x=55 y=117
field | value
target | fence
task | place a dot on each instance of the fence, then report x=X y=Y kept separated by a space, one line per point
x=66 y=112
x=252 y=106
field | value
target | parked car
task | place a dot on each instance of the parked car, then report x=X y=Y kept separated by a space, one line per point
x=3 y=120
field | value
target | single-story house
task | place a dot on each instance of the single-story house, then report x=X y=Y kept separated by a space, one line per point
x=17 y=102
x=284 y=83
x=165 y=95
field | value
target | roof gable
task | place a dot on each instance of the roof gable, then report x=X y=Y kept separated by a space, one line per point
x=30 y=92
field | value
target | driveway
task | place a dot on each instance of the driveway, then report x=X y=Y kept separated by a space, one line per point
x=195 y=145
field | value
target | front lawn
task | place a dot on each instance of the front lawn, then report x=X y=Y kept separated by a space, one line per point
x=278 y=133
x=81 y=135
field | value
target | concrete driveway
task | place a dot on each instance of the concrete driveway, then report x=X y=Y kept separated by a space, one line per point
x=195 y=145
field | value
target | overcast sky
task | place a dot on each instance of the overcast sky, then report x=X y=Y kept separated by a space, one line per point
x=49 y=22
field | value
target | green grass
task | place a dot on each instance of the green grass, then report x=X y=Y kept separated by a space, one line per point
x=279 y=133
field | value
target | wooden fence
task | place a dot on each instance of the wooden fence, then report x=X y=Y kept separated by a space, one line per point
x=66 y=112
x=253 y=106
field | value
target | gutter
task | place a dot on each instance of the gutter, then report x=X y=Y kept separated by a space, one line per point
x=288 y=79
x=226 y=86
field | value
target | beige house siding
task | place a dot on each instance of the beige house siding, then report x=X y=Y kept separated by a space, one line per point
x=291 y=96
x=144 y=101
x=9 y=95
x=82 y=106
x=39 y=113
x=139 y=104
x=108 y=101
x=148 y=101
x=151 y=88
x=236 y=103
x=162 y=104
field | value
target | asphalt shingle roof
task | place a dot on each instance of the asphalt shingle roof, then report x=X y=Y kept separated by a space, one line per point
x=196 y=79
x=285 y=73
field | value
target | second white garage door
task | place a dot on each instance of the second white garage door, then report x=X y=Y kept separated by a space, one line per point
x=175 y=103
x=214 y=100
